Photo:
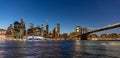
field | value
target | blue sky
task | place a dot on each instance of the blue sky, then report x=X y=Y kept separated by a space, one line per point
x=69 y=13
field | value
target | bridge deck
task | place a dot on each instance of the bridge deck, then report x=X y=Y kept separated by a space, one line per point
x=104 y=28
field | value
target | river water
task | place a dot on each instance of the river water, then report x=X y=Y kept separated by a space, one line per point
x=60 y=49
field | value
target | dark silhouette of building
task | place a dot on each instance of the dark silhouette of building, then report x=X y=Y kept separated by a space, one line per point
x=54 y=33
x=10 y=31
x=50 y=34
x=64 y=36
x=47 y=30
x=18 y=31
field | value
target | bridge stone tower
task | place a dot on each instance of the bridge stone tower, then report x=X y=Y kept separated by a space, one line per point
x=85 y=32
x=81 y=32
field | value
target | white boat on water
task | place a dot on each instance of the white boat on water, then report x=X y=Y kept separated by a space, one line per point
x=35 y=38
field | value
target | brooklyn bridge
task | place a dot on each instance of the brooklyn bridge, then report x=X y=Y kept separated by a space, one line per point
x=84 y=33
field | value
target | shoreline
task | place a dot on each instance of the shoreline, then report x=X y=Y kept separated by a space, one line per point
x=49 y=39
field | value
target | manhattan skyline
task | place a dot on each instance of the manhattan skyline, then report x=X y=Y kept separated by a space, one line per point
x=69 y=13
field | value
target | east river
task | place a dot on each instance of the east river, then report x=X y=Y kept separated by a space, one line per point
x=60 y=49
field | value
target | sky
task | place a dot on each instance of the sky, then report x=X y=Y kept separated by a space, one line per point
x=69 y=13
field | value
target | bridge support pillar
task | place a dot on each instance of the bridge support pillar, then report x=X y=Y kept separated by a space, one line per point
x=84 y=37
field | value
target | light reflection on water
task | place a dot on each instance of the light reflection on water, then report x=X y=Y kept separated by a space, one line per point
x=60 y=49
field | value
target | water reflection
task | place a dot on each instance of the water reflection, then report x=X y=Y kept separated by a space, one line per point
x=77 y=49
x=60 y=49
x=2 y=49
x=67 y=48
x=95 y=49
x=43 y=49
x=14 y=49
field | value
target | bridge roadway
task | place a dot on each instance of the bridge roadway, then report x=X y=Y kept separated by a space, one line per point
x=104 y=28
x=84 y=36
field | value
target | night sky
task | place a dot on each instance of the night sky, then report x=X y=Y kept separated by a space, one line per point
x=69 y=13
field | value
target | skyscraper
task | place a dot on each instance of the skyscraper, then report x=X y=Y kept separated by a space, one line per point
x=55 y=33
x=10 y=31
x=23 y=27
x=47 y=30
x=78 y=30
x=19 y=29
x=30 y=31
x=58 y=30
x=42 y=30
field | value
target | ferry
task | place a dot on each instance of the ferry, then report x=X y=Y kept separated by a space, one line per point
x=35 y=38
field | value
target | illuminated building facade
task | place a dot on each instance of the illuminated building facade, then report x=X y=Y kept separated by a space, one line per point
x=18 y=31
x=38 y=31
x=56 y=32
x=2 y=34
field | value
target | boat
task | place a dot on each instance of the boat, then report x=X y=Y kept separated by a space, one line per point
x=35 y=38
